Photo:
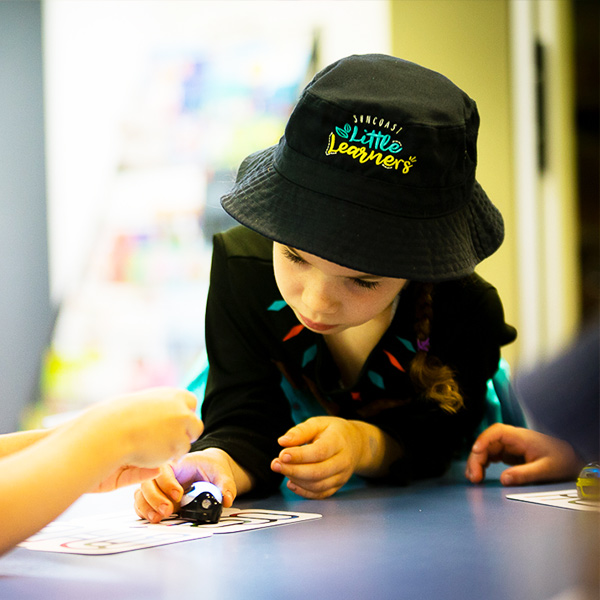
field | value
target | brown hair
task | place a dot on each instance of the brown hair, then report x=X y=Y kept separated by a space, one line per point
x=427 y=373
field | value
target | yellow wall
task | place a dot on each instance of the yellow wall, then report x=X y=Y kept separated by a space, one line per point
x=467 y=40
x=562 y=125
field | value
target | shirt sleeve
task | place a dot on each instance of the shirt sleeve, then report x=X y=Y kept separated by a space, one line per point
x=244 y=410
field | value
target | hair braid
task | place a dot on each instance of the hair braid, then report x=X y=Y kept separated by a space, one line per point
x=428 y=374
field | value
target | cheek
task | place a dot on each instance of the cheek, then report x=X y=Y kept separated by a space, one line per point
x=363 y=309
x=368 y=306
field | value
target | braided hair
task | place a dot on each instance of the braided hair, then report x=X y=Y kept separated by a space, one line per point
x=434 y=379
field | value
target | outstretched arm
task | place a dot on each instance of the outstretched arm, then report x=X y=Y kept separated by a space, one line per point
x=12 y=442
x=537 y=457
x=143 y=430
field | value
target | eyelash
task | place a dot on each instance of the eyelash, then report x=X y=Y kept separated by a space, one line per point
x=367 y=285
x=298 y=260
x=293 y=257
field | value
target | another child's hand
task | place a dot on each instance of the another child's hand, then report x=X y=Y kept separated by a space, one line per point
x=319 y=455
x=147 y=428
x=160 y=497
x=538 y=457
x=124 y=476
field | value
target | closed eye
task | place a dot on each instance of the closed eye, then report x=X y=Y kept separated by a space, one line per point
x=292 y=256
x=367 y=285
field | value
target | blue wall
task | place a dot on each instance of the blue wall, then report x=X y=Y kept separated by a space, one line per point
x=25 y=310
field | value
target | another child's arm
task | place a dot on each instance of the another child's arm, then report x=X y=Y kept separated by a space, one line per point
x=12 y=442
x=538 y=457
x=142 y=430
x=160 y=497
x=322 y=453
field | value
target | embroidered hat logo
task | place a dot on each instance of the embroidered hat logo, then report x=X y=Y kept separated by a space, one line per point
x=374 y=145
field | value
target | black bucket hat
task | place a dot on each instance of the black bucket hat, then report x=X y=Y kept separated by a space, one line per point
x=375 y=172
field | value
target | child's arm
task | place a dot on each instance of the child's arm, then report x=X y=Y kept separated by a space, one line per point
x=538 y=457
x=40 y=481
x=321 y=454
x=157 y=499
x=12 y=442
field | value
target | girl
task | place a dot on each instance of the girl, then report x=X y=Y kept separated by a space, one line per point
x=346 y=330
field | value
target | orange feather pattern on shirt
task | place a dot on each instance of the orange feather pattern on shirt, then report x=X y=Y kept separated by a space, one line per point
x=394 y=361
x=293 y=332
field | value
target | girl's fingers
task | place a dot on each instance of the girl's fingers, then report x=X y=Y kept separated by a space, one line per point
x=302 y=433
x=152 y=505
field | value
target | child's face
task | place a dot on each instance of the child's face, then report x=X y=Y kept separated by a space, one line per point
x=328 y=298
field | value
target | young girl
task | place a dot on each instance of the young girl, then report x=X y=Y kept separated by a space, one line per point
x=345 y=327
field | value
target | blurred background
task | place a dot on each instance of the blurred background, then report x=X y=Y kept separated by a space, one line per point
x=123 y=122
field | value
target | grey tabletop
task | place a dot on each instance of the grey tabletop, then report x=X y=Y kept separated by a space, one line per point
x=444 y=539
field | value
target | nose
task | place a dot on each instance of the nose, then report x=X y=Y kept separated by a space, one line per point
x=319 y=296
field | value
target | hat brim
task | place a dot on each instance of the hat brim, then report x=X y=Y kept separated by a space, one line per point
x=430 y=250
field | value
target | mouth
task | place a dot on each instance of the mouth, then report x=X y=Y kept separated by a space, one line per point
x=320 y=327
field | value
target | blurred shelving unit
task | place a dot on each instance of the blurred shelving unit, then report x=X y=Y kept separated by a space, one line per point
x=145 y=134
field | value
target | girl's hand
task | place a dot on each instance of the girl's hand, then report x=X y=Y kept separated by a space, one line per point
x=160 y=497
x=538 y=457
x=319 y=455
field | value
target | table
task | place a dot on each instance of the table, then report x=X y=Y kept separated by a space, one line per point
x=441 y=539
